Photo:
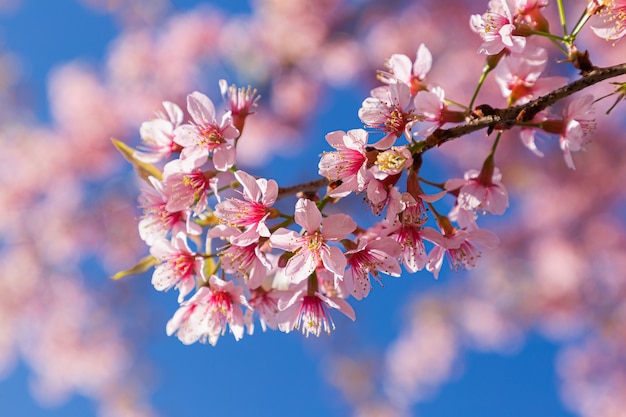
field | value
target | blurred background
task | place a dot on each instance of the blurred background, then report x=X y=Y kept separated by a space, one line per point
x=537 y=329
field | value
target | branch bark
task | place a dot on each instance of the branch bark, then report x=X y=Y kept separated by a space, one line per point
x=507 y=118
x=496 y=118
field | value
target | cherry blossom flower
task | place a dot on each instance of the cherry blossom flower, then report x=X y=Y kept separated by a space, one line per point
x=158 y=134
x=393 y=161
x=259 y=194
x=307 y=313
x=381 y=193
x=409 y=73
x=459 y=245
x=578 y=121
x=179 y=268
x=479 y=190
x=370 y=257
x=239 y=101
x=248 y=261
x=407 y=231
x=157 y=222
x=264 y=304
x=388 y=110
x=348 y=164
x=206 y=135
x=497 y=28
x=612 y=19
x=187 y=190
x=205 y=315
x=432 y=107
x=519 y=77
x=528 y=12
x=527 y=134
x=311 y=248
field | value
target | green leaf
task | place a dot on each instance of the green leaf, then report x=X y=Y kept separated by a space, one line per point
x=142 y=266
x=143 y=169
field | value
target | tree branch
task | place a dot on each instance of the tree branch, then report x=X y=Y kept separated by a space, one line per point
x=501 y=119
x=506 y=118
x=306 y=187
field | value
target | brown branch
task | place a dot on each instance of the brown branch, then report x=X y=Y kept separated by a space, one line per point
x=306 y=187
x=502 y=119
x=506 y=118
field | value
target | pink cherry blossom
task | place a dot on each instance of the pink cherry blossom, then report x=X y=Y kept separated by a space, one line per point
x=459 y=245
x=392 y=161
x=179 y=266
x=577 y=122
x=479 y=192
x=187 y=190
x=407 y=231
x=158 y=134
x=264 y=304
x=206 y=135
x=204 y=316
x=388 y=110
x=239 y=101
x=311 y=248
x=370 y=257
x=497 y=28
x=519 y=77
x=249 y=261
x=611 y=21
x=432 y=108
x=308 y=312
x=157 y=222
x=409 y=73
x=348 y=164
x=381 y=193
x=259 y=195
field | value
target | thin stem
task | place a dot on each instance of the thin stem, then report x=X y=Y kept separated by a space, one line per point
x=562 y=16
x=547 y=35
x=448 y=101
x=504 y=119
x=579 y=25
x=495 y=143
x=486 y=70
x=434 y=184
x=306 y=187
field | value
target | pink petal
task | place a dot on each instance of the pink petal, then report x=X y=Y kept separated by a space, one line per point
x=423 y=62
x=201 y=108
x=337 y=226
x=308 y=215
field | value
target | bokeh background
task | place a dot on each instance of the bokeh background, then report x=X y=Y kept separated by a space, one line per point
x=537 y=329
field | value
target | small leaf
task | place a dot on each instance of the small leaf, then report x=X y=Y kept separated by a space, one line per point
x=142 y=266
x=143 y=169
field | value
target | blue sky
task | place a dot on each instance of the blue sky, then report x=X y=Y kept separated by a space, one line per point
x=270 y=374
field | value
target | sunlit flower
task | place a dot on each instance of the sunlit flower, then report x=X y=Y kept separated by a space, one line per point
x=370 y=258
x=311 y=247
x=388 y=110
x=308 y=314
x=206 y=135
x=252 y=212
x=347 y=164
x=612 y=19
x=409 y=73
x=480 y=192
x=459 y=245
x=497 y=28
x=205 y=316
x=158 y=134
x=577 y=122
x=179 y=266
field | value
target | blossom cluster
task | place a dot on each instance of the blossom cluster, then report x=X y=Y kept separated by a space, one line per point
x=217 y=236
